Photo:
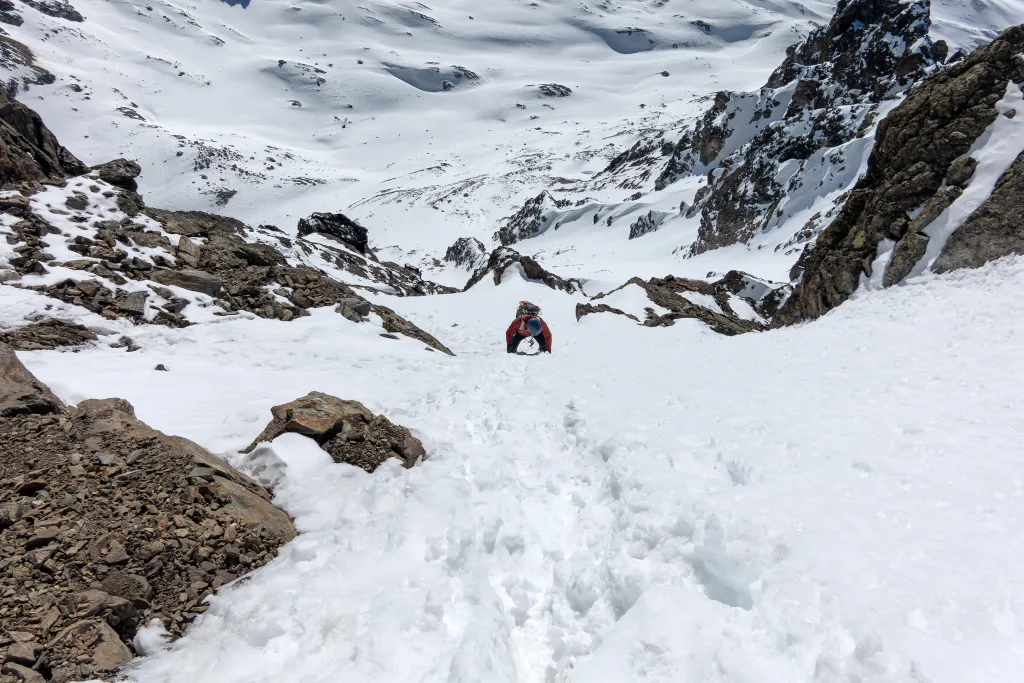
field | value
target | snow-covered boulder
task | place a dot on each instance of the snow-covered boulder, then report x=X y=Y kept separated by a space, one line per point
x=347 y=430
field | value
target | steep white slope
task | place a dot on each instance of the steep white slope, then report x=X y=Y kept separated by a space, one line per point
x=834 y=502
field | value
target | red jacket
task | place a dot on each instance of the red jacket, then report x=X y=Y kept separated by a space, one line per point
x=518 y=326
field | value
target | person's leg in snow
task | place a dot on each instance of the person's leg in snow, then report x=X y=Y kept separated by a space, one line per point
x=518 y=339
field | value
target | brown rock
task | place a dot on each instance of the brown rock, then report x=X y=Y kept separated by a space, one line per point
x=20 y=392
x=23 y=653
x=98 y=641
x=42 y=538
x=23 y=673
x=961 y=171
x=189 y=252
x=11 y=512
x=347 y=430
x=48 y=334
x=127 y=586
x=192 y=280
x=105 y=545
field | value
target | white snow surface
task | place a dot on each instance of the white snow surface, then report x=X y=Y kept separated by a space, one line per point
x=836 y=502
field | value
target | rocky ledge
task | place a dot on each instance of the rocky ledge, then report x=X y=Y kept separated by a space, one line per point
x=346 y=430
x=734 y=304
x=85 y=236
x=107 y=524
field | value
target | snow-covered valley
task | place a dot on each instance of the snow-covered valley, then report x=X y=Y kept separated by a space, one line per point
x=274 y=110
x=778 y=438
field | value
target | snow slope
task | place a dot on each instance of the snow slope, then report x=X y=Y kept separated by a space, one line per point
x=425 y=121
x=833 y=502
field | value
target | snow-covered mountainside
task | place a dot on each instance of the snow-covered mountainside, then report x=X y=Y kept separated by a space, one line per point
x=779 y=249
x=431 y=122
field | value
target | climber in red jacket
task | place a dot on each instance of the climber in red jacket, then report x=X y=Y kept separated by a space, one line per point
x=528 y=323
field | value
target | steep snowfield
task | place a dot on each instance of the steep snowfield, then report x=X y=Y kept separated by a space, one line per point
x=301 y=106
x=838 y=502
x=834 y=502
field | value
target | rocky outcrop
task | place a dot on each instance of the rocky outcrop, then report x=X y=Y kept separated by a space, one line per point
x=225 y=263
x=531 y=220
x=20 y=392
x=645 y=224
x=49 y=333
x=9 y=14
x=918 y=150
x=106 y=524
x=828 y=91
x=995 y=230
x=18 y=59
x=584 y=309
x=340 y=227
x=554 y=90
x=120 y=173
x=735 y=304
x=503 y=258
x=59 y=9
x=764 y=296
x=355 y=310
x=211 y=257
x=669 y=293
x=28 y=150
x=466 y=252
x=396 y=324
x=347 y=430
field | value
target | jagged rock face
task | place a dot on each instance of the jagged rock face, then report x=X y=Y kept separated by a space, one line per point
x=211 y=256
x=995 y=230
x=503 y=258
x=916 y=148
x=764 y=296
x=115 y=524
x=28 y=150
x=735 y=289
x=466 y=252
x=869 y=45
x=826 y=93
x=347 y=430
x=529 y=221
x=59 y=9
x=338 y=226
x=644 y=225
x=8 y=15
